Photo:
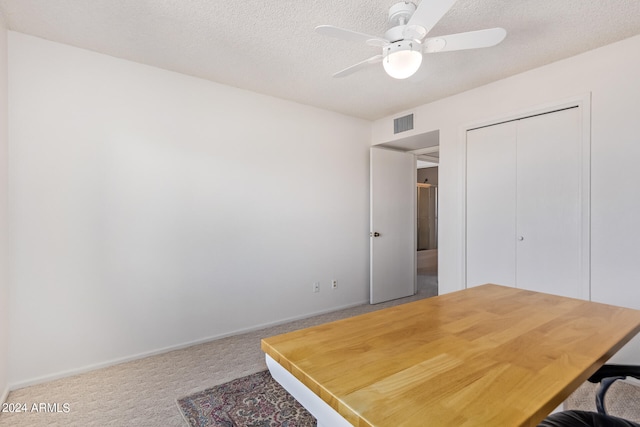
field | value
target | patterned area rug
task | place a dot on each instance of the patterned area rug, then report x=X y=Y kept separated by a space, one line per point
x=256 y=400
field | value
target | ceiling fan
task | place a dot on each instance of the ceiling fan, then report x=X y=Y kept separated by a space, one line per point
x=406 y=40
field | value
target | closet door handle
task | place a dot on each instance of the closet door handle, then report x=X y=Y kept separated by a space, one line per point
x=521 y=238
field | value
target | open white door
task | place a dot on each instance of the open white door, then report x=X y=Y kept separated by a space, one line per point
x=393 y=224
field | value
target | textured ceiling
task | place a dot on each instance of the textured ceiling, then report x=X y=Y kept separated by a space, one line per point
x=270 y=46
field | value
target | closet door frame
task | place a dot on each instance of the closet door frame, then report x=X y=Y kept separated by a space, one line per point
x=583 y=102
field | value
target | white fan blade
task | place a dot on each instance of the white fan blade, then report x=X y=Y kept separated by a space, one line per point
x=468 y=40
x=414 y=32
x=341 y=33
x=429 y=12
x=359 y=66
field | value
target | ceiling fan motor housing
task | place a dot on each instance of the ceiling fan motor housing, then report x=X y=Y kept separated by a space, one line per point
x=395 y=34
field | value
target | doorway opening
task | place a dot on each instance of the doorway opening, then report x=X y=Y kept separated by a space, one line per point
x=427 y=229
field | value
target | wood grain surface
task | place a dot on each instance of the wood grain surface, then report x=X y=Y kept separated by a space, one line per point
x=484 y=356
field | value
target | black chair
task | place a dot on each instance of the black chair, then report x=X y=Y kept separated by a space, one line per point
x=606 y=376
x=584 y=419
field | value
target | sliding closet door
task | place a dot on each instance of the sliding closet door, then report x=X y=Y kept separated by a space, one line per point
x=548 y=203
x=491 y=205
x=526 y=189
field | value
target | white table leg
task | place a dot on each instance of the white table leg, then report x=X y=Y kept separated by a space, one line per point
x=325 y=414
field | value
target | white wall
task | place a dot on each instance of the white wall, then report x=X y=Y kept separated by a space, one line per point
x=611 y=75
x=151 y=209
x=4 y=275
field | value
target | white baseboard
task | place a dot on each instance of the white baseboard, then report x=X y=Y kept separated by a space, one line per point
x=93 y=367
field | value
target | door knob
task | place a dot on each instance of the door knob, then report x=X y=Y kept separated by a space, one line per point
x=374 y=234
x=521 y=238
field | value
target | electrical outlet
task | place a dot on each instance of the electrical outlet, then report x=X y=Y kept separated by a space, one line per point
x=316 y=286
x=334 y=284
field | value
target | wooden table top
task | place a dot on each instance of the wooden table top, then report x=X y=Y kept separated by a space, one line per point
x=484 y=356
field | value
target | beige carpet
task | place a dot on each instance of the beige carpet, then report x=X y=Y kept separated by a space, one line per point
x=621 y=400
x=144 y=392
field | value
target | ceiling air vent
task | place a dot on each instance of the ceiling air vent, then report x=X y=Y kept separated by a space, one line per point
x=402 y=124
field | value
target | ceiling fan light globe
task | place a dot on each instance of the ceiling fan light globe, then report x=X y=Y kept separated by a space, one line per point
x=402 y=60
